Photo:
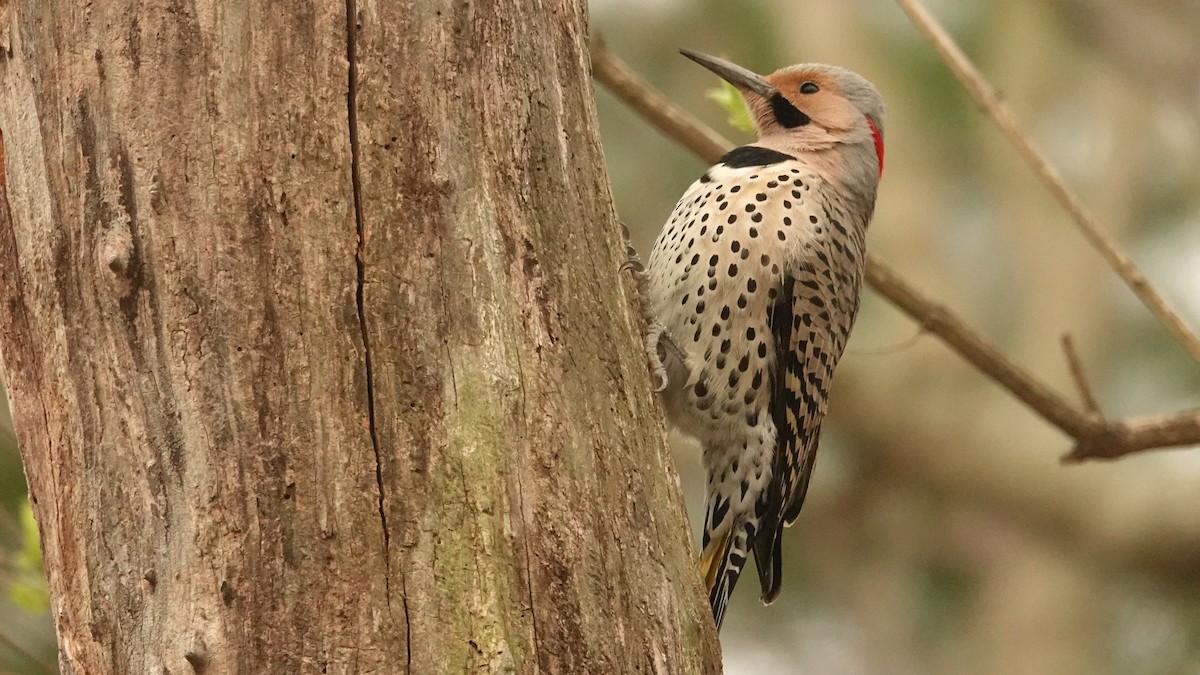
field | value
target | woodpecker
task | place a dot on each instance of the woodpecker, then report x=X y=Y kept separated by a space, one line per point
x=753 y=288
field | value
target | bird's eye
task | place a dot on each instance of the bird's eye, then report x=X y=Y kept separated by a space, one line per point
x=809 y=88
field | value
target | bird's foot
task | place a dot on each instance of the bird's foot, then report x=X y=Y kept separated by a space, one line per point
x=656 y=332
x=633 y=262
x=656 y=335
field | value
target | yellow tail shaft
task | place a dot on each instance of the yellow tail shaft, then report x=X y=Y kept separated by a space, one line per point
x=712 y=560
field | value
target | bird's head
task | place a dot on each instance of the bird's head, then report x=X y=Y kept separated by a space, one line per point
x=809 y=107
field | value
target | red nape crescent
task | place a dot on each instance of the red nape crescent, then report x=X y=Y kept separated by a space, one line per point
x=878 y=143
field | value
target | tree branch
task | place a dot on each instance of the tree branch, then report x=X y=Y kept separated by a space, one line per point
x=976 y=349
x=650 y=103
x=1117 y=439
x=985 y=97
x=1076 y=364
x=1095 y=437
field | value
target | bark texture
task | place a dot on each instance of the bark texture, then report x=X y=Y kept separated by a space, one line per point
x=317 y=352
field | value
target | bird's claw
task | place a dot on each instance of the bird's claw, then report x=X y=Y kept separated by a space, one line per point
x=632 y=261
x=634 y=264
x=655 y=331
x=658 y=371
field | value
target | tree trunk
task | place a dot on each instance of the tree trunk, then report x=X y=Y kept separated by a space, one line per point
x=317 y=351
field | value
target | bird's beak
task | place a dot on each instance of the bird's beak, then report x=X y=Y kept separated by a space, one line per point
x=734 y=74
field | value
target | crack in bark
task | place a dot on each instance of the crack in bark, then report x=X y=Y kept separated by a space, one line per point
x=521 y=510
x=407 y=625
x=361 y=268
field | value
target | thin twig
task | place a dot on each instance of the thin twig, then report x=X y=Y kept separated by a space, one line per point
x=991 y=105
x=1077 y=374
x=1094 y=437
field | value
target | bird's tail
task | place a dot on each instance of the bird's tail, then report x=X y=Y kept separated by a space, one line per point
x=721 y=564
x=768 y=558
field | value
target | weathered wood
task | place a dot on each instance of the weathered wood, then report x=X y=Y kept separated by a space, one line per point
x=255 y=445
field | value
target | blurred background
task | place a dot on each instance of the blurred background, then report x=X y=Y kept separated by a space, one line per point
x=940 y=535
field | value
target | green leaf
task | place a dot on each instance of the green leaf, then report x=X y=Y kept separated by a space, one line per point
x=730 y=99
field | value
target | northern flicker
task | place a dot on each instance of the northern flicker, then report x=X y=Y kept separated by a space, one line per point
x=753 y=288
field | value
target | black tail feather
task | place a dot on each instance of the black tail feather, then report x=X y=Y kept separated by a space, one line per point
x=768 y=557
x=733 y=561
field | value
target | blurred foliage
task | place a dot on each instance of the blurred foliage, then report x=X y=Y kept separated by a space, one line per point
x=27 y=589
x=27 y=644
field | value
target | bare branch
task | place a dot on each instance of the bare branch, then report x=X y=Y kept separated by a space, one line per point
x=973 y=347
x=1077 y=374
x=1137 y=435
x=991 y=105
x=1095 y=438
